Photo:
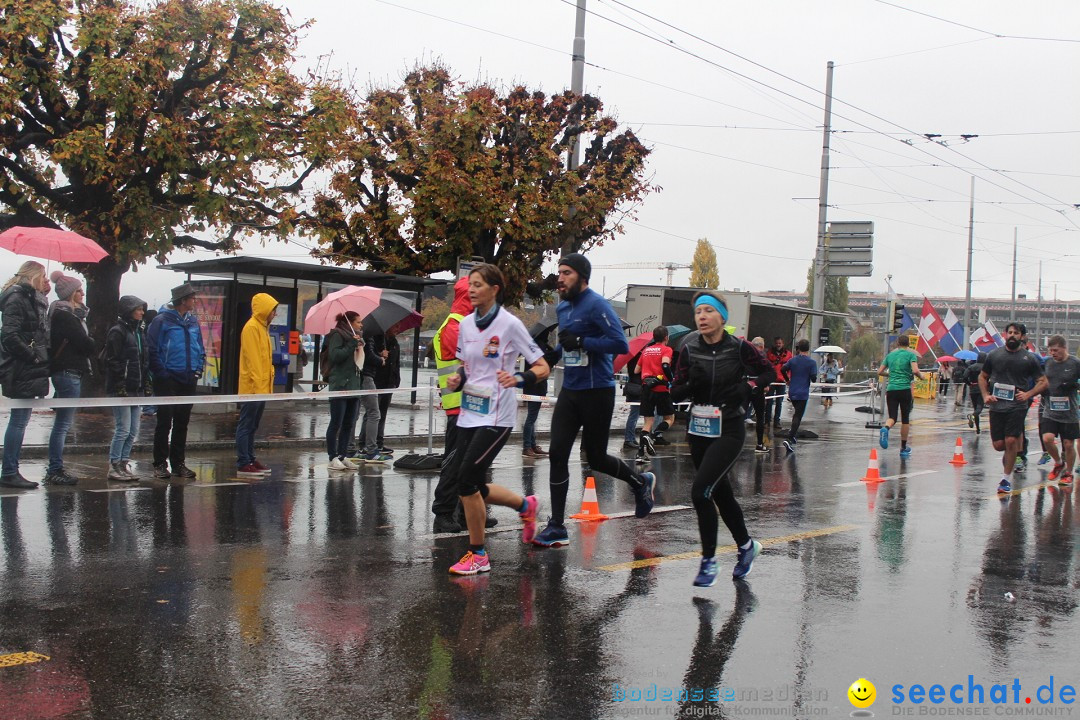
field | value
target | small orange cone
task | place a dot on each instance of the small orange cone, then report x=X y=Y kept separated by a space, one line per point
x=958 y=453
x=872 y=474
x=590 y=508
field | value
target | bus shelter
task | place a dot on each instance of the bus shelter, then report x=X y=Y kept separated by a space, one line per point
x=226 y=286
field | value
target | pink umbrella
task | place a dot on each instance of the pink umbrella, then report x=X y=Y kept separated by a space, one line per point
x=322 y=317
x=51 y=244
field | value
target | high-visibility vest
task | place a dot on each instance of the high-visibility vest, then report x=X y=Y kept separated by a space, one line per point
x=447 y=367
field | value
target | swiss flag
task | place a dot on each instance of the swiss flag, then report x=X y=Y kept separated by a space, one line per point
x=931 y=328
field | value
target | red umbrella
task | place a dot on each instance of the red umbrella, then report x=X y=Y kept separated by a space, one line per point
x=636 y=345
x=51 y=244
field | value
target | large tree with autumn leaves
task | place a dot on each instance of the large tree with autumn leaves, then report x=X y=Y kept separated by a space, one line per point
x=437 y=169
x=144 y=125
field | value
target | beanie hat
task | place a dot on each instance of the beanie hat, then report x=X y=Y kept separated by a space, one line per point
x=65 y=285
x=578 y=263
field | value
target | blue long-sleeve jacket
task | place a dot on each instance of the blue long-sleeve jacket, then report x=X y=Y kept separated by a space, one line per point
x=590 y=316
x=176 y=347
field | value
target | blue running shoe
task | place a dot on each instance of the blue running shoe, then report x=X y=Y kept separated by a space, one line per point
x=1044 y=459
x=645 y=495
x=746 y=560
x=883 y=438
x=552 y=536
x=706 y=575
x=1004 y=486
x=905 y=453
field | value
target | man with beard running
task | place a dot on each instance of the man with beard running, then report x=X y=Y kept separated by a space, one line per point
x=590 y=335
x=1007 y=373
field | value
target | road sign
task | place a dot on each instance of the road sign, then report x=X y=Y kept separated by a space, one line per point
x=849 y=241
x=849 y=270
x=858 y=227
x=833 y=255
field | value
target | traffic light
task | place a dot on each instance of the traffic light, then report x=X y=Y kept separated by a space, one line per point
x=823 y=336
x=894 y=317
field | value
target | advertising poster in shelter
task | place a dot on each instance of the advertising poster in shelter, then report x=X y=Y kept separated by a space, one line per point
x=211 y=311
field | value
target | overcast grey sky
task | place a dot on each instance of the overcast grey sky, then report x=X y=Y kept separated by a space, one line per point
x=737 y=140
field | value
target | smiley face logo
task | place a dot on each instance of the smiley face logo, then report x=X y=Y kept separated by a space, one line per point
x=862 y=693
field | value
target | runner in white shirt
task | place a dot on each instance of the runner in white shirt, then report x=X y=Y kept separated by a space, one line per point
x=489 y=342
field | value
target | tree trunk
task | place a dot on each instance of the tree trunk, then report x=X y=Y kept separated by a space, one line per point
x=103 y=299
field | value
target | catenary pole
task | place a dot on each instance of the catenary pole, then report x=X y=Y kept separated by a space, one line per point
x=818 y=302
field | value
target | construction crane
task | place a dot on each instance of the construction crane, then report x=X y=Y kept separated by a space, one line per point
x=671 y=267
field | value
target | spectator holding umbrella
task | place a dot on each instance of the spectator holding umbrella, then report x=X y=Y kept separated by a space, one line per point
x=24 y=367
x=70 y=348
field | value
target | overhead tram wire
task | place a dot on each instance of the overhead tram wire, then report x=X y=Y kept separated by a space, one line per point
x=817 y=91
x=610 y=70
x=971 y=27
x=719 y=247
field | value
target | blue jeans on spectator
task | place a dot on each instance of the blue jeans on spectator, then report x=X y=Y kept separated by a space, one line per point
x=67 y=384
x=631 y=424
x=250 y=416
x=342 y=419
x=127 y=429
x=13 y=439
x=528 y=430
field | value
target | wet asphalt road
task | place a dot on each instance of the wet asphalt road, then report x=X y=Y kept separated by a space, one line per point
x=309 y=597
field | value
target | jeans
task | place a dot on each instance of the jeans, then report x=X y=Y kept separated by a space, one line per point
x=67 y=384
x=127 y=429
x=798 y=408
x=369 y=404
x=13 y=439
x=778 y=403
x=528 y=430
x=630 y=435
x=172 y=418
x=250 y=415
x=342 y=417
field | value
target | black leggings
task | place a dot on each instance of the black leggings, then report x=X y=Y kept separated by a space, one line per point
x=798 y=408
x=588 y=411
x=712 y=495
x=475 y=451
x=757 y=399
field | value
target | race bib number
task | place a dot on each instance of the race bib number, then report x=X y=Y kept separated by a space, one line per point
x=705 y=421
x=1004 y=392
x=1059 y=403
x=477 y=399
x=575 y=358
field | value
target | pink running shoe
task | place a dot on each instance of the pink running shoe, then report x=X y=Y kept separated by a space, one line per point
x=471 y=564
x=532 y=507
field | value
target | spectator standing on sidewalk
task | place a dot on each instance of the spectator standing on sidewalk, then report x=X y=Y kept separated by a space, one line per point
x=177 y=360
x=342 y=358
x=70 y=348
x=387 y=377
x=777 y=355
x=127 y=374
x=256 y=378
x=24 y=366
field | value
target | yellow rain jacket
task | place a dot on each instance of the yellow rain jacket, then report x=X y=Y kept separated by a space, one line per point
x=256 y=353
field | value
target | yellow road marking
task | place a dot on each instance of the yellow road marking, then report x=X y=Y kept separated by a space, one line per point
x=23 y=658
x=768 y=542
x=1027 y=488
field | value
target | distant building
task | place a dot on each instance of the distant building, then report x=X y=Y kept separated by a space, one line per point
x=867 y=309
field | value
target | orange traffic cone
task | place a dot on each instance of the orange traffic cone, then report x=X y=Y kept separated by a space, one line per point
x=872 y=474
x=590 y=508
x=958 y=453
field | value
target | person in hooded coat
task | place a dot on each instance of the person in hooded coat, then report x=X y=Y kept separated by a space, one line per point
x=256 y=378
x=127 y=375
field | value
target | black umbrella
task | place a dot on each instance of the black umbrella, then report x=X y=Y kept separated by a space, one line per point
x=540 y=330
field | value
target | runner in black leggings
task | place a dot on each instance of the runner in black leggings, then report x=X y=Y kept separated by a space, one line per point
x=710 y=370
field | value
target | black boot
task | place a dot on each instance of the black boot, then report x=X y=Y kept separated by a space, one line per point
x=446 y=524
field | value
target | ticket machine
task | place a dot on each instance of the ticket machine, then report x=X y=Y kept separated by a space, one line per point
x=279 y=342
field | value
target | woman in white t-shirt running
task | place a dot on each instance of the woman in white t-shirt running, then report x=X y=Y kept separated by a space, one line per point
x=489 y=342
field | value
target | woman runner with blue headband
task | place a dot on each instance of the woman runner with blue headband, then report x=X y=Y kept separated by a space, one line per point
x=711 y=371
